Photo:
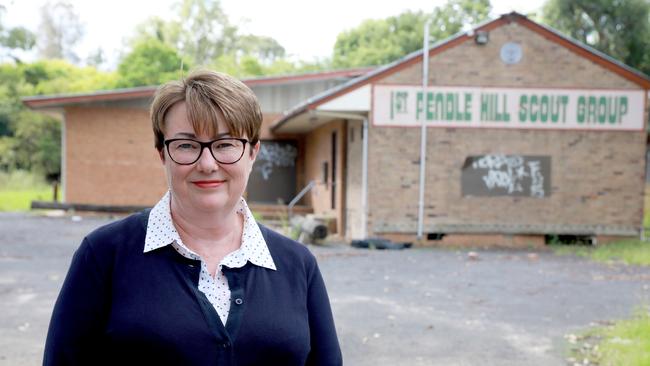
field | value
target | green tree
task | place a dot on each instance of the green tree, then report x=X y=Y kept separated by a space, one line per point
x=59 y=31
x=96 y=58
x=251 y=66
x=7 y=153
x=284 y=67
x=619 y=28
x=380 y=41
x=455 y=15
x=30 y=140
x=202 y=33
x=12 y=39
x=150 y=63
x=246 y=66
x=37 y=143
x=10 y=79
x=60 y=76
x=266 y=49
x=154 y=28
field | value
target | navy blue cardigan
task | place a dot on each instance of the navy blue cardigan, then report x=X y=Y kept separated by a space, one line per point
x=119 y=306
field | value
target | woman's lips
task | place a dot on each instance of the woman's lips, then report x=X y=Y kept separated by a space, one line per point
x=208 y=183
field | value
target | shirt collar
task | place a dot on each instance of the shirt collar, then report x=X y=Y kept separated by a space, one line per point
x=161 y=232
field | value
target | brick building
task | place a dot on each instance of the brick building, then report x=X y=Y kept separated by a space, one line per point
x=108 y=157
x=529 y=133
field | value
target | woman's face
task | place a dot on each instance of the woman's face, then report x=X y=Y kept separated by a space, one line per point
x=206 y=185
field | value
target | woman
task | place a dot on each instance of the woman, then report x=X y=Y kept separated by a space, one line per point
x=195 y=281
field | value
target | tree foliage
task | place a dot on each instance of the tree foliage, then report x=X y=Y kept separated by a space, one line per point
x=201 y=33
x=265 y=49
x=150 y=63
x=455 y=15
x=59 y=31
x=37 y=140
x=59 y=76
x=380 y=41
x=619 y=28
x=203 y=36
x=16 y=38
x=31 y=140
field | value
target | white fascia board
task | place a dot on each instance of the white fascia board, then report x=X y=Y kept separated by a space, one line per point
x=355 y=101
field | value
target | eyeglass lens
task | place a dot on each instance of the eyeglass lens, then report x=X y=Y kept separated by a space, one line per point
x=226 y=151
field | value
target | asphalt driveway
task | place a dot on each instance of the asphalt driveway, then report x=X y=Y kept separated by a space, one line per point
x=410 y=307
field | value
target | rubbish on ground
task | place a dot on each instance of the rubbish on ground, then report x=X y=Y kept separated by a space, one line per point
x=379 y=243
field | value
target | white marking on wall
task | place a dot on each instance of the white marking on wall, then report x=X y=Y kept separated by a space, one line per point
x=537 y=185
x=275 y=155
x=508 y=172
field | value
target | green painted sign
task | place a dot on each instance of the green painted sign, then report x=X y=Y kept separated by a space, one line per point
x=508 y=108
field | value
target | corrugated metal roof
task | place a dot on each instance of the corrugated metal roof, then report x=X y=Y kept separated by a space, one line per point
x=59 y=100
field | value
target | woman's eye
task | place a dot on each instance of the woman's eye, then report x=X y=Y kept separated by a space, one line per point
x=186 y=146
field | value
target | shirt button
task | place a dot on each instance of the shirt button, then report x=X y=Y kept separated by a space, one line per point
x=239 y=301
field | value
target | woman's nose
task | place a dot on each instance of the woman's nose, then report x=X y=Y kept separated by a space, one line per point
x=206 y=161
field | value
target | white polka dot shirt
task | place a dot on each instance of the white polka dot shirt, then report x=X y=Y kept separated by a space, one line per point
x=161 y=232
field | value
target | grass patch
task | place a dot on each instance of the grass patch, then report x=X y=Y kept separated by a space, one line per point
x=630 y=251
x=646 y=207
x=626 y=342
x=19 y=188
x=11 y=200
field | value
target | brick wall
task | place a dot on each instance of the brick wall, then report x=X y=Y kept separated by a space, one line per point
x=110 y=157
x=544 y=64
x=597 y=177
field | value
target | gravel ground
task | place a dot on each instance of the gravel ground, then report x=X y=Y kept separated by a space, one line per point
x=410 y=307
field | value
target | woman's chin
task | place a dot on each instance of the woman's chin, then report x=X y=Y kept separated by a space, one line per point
x=213 y=204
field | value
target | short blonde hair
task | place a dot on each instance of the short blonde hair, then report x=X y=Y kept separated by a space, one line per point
x=209 y=96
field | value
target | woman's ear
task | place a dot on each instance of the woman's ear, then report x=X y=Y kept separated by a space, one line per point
x=161 y=154
x=255 y=149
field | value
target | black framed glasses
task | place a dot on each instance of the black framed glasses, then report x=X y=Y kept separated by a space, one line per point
x=227 y=150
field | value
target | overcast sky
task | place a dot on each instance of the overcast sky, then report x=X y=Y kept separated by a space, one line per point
x=307 y=29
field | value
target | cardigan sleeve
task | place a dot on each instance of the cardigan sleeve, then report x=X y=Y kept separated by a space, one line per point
x=79 y=314
x=325 y=348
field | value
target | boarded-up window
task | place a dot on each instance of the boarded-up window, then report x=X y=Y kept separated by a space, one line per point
x=507 y=175
x=273 y=178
